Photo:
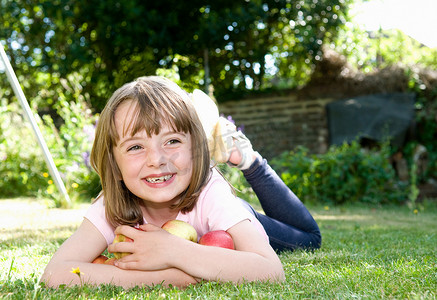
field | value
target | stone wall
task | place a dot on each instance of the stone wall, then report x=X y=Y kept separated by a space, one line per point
x=280 y=123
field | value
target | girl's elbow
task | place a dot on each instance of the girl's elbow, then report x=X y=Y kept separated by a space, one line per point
x=277 y=276
x=53 y=278
x=280 y=277
x=49 y=280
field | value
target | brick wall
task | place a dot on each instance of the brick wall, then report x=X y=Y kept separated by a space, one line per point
x=280 y=123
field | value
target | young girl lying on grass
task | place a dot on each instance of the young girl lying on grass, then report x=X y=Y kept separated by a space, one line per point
x=152 y=155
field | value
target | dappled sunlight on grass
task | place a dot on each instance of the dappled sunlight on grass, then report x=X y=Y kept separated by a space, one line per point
x=367 y=252
x=338 y=218
x=384 y=252
x=29 y=235
x=19 y=237
x=384 y=216
x=32 y=214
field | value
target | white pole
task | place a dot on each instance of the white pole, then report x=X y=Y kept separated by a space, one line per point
x=20 y=95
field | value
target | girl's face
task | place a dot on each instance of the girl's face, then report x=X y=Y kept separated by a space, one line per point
x=156 y=169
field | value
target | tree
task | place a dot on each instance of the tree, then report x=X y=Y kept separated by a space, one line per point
x=112 y=42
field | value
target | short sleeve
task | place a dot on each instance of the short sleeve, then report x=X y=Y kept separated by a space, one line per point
x=96 y=215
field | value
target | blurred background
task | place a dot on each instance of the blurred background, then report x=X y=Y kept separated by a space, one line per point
x=302 y=78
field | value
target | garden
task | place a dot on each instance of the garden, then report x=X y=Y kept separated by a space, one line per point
x=379 y=231
x=378 y=237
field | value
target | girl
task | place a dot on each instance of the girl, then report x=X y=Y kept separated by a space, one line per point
x=151 y=153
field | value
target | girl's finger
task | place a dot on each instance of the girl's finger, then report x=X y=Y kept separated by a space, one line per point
x=121 y=247
x=127 y=265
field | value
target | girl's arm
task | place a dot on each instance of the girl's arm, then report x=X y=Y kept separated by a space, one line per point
x=155 y=249
x=83 y=247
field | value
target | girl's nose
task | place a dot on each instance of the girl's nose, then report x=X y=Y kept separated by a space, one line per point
x=155 y=157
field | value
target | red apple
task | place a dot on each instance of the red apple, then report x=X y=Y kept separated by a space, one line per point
x=121 y=238
x=218 y=238
x=181 y=229
x=100 y=259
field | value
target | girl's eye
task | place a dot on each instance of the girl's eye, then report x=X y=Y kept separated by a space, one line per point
x=133 y=148
x=173 y=141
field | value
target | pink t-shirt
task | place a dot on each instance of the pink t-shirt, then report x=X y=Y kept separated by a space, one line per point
x=216 y=209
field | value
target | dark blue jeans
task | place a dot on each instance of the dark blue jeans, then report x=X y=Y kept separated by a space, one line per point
x=287 y=221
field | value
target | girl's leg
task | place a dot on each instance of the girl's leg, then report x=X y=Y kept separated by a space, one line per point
x=287 y=221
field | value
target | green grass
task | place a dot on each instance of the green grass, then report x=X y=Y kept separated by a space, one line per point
x=367 y=253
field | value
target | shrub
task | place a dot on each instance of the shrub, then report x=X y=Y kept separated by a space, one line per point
x=21 y=164
x=69 y=142
x=344 y=174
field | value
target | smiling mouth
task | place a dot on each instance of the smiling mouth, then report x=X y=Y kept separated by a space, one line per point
x=158 y=179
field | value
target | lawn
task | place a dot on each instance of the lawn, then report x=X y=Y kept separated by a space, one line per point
x=367 y=253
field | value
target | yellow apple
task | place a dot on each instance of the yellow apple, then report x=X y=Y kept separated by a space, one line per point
x=110 y=261
x=181 y=229
x=121 y=238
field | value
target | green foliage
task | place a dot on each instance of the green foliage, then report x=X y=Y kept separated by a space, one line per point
x=305 y=26
x=77 y=52
x=112 y=42
x=21 y=162
x=368 y=51
x=426 y=112
x=71 y=142
x=23 y=166
x=345 y=174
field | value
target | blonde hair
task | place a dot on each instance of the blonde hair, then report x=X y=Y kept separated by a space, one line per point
x=158 y=101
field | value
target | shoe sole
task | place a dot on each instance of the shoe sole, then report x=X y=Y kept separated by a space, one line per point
x=207 y=112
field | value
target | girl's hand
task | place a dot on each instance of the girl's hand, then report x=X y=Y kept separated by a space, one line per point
x=151 y=249
x=83 y=246
x=155 y=249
